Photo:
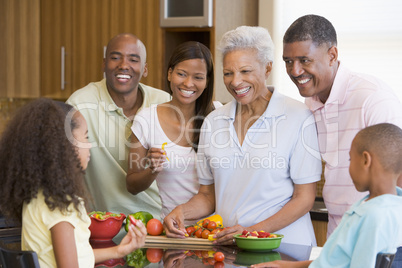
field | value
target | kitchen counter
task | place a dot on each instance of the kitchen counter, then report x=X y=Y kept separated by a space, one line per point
x=319 y=218
x=319 y=212
x=191 y=256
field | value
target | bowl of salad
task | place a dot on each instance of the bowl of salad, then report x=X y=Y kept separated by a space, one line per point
x=105 y=225
x=258 y=241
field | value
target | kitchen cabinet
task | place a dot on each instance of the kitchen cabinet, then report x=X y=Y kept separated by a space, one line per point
x=52 y=48
x=319 y=218
x=242 y=12
x=19 y=48
x=320 y=230
x=73 y=34
x=141 y=18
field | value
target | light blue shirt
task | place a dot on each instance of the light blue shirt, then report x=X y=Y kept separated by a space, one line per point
x=366 y=229
x=255 y=180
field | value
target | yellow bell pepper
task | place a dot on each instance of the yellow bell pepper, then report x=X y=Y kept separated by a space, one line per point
x=216 y=218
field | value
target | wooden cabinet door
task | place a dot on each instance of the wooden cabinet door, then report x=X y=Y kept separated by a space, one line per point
x=141 y=18
x=73 y=36
x=91 y=32
x=56 y=48
x=19 y=48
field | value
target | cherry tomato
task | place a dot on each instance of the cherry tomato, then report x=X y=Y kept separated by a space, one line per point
x=211 y=225
x=219 y=256
x=211 y=261
x=219 y=264
x=198 y=253
x=215 y=231
x=190 y=230
x=154 y=227
x=198 y=233
x=205 y=223
x=205 y=254
x=154 y=255
x=205 y=234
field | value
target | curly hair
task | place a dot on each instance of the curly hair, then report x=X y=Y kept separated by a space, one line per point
x=36 y=154
x=311 y=27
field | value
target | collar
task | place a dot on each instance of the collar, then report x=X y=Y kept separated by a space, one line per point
x=338 y=90
x=110 y=105
x=276 y=107
x=360 y=209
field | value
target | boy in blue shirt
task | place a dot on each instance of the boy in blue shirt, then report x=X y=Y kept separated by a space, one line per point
x=372 y=225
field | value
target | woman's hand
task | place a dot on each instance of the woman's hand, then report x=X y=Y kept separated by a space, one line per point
x=225 y=237
x=156 y=157
x=174 y=258
x=173 y=223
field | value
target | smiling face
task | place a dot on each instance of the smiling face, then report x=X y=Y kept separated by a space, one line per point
x=311 y=68
x=244 y=76
x=80 y=134
x=188 y=80
x=124 y=64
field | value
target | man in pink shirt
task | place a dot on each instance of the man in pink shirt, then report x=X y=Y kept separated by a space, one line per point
x=343 y=102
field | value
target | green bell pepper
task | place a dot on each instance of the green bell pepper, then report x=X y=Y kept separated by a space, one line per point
x=137 y=258
x=140 y=215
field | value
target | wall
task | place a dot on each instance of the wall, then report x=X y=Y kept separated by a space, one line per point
x=242 y=12
x=268 y=13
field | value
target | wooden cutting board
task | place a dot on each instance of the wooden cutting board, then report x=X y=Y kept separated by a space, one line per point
x=162 y=239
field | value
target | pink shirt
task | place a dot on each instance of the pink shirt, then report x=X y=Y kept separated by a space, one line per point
x=355 y=102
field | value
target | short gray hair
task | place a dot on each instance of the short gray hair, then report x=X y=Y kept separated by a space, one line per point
x=249 y=37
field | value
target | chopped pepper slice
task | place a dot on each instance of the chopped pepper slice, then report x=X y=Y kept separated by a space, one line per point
x=143 y=216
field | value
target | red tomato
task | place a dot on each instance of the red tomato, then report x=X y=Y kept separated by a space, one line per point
x=205 y=223
x=215 y=231
x=219 y=256
x=205 y=234
x=211 y=225
x=198 y=253
x=198 y=233
x=154 y=227
x=154 y=255
x=219 y=264
x=205 y=254
x=211 y=261
x=190 y=230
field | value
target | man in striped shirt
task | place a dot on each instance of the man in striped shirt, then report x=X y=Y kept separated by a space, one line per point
x=343 y=102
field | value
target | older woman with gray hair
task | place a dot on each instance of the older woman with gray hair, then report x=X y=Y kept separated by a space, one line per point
x=258 y=160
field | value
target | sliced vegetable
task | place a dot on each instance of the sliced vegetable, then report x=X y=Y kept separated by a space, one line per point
x=143 y=216
x=163 y=148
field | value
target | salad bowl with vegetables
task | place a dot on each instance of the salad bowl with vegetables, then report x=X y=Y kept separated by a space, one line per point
x=105 y=225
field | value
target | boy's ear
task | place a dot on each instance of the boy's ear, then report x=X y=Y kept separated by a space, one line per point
x=367 y=159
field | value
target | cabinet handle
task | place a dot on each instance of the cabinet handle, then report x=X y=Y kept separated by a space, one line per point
x=104 y=51
x=63 y=57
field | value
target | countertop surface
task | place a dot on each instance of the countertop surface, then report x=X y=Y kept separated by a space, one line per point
x=190 y=256
x=319 y=212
